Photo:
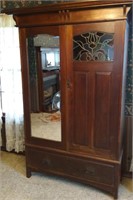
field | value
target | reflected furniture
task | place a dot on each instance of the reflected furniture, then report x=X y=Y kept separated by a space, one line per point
x=50 y=87
x=93 y=51
x=48 y=80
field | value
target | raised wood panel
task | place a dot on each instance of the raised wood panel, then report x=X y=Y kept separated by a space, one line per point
x=81 y=100
x=102 y=110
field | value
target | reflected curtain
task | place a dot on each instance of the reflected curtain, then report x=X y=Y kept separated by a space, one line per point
x=10 y=84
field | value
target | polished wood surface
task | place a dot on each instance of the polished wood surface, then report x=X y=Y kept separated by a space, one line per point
x=68 y=6
x=91 y=93
x=69 y=13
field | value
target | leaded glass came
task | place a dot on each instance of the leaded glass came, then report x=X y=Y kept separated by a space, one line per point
x=93 y=46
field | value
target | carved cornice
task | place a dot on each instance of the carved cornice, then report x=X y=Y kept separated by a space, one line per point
x=76 y=5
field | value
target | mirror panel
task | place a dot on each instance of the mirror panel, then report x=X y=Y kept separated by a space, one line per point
x=44 y=73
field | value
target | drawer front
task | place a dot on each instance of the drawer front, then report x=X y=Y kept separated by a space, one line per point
x=77 y=168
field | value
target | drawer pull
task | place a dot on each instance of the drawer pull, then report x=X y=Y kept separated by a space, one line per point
x=46 y=162
x=90 y=171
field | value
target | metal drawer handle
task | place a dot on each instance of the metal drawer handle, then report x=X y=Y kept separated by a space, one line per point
x=46 y=162
x=90 y=171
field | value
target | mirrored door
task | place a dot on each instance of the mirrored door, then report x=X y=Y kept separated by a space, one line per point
x=44 y=85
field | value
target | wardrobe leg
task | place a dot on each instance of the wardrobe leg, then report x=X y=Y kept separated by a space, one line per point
x=115 y=195
x=28 y=173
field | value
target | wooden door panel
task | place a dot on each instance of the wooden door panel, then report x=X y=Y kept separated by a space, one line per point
x=81 y=102
x=95 y=96
x=102 y=110
x=101 y=27
x=93 y=66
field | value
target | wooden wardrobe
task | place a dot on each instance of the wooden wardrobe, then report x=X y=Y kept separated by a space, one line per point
x=93 y=54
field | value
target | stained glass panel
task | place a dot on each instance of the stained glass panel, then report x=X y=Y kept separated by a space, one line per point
x=93 y=46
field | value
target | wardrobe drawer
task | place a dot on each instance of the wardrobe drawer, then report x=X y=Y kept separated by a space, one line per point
x=92 y=170
x=46 y=161
x=81 y=169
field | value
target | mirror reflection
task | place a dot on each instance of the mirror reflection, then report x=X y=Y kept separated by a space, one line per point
x=44 y=71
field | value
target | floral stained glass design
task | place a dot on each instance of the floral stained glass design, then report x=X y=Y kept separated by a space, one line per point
x=93 y=46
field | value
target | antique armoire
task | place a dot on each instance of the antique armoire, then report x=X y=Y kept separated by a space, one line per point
x=92 y=45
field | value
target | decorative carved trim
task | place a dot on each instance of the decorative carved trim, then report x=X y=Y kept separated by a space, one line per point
x=68 y=6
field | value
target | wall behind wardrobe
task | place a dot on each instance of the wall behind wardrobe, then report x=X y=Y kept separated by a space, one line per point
x=28 y=3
